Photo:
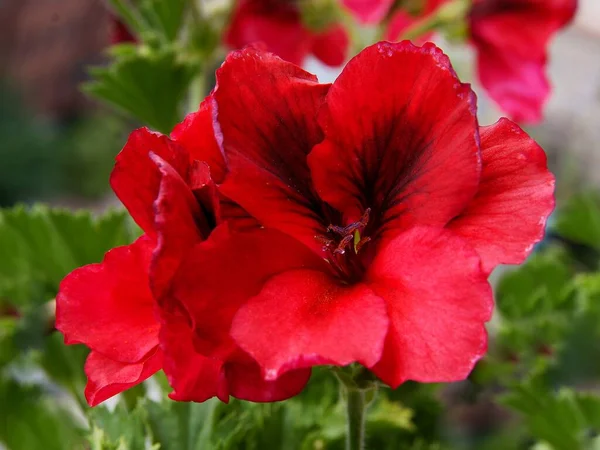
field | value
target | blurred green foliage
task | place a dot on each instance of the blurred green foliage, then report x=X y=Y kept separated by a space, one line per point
x=41 y=379
x=43 y=161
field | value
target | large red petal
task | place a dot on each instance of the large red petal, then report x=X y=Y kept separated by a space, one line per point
x=320 y=321
x=107 y=377
x=369 y=11
x=197 y=136
x=266 y=111
x=438 y=301
x=109 y=306
x=511 y=37
x=221 y=273
x=276 y=24
x=508 y=214
x=135 y=178
x=401 y=138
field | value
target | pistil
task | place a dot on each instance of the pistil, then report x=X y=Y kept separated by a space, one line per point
x=344 y=246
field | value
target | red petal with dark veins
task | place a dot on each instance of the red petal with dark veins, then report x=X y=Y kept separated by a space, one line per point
x=331 y=46
x=276 y=24
x=511 y=37
x=401 y=138
x=321 y=321
x=369 y=11
x=266 y=110
x=135 y=178
x=234 y=266
x=179 y=223
x=438 y=301
x=107 y=377
x=508 y=214
x=197 y=136
x=109 y=306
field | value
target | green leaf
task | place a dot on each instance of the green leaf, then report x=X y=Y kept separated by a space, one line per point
x=182 y=426
x=541 y=285
x=64 y=364
x=164 y=17
x=579 y=219
x=41 y=245
x=30 y=419
x=119 y=429
x=565 y=419
x=8 y=349
x=148 y=84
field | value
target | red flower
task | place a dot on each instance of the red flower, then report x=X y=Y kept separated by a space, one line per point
x=511 y=39
x=404 y=202
x=121 y=308
x=278 y=25
x=119 y=32
x=369 y=11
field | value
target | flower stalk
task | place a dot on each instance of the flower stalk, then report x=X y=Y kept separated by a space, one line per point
x=358 y=388
x=356 y=406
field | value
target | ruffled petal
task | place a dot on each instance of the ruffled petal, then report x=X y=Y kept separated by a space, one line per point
x=511 y=37
x=196 y=134
x=179 y=222
x=438 y=301
x=135 y=178
x=193 y=377
x=321 y=321
x=109 y=306
x=508 y=214
x=107 y=377
x=234 y=268
x=266 y=111
x=197 y=378
x=401 y=138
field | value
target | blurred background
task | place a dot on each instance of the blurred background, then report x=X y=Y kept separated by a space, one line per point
x=58 y=147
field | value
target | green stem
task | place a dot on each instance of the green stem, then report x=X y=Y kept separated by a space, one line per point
x=445 y=14
x=356 y=406
x=197 y=91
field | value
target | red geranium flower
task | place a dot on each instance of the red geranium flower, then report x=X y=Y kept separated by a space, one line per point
x=121 y=309
x=511 y=39
x=278 y=25
x=404 y=202
x=369 y=11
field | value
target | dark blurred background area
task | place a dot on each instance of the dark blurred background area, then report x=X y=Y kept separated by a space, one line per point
x=57 y=144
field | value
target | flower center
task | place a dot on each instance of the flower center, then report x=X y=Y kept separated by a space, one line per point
x=342 y=246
